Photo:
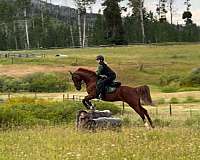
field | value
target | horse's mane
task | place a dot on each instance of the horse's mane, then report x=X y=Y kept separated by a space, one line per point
x=84 y=70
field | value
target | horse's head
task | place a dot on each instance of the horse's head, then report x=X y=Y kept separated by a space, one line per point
x=81 y=76
x=77 y=80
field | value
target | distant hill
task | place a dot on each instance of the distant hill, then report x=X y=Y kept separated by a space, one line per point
x=64 y=13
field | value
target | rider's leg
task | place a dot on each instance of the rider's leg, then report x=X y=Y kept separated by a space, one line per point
x=106 y=82
x=100 y=86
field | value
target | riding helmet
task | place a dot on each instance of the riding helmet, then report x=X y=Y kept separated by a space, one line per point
x=100 y=57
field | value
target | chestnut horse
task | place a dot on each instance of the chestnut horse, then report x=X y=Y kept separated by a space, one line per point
x=126 y=94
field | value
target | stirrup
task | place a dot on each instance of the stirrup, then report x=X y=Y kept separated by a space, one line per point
x=100 y=96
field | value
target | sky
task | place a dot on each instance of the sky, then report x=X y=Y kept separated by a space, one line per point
x=179 y=8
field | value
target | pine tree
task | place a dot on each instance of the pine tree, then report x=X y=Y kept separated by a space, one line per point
x=113 y=21
x=187 y=15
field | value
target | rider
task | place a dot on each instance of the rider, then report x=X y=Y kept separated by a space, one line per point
x=105 y=76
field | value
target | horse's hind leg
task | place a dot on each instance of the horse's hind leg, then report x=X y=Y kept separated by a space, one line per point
x=138 y=110
x=147 y=115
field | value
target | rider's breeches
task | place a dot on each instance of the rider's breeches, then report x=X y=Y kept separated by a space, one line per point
x=102 y=83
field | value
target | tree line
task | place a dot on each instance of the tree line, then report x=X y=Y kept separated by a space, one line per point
x=20 y=28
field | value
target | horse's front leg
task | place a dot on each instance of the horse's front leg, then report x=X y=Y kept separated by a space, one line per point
x=87 y=103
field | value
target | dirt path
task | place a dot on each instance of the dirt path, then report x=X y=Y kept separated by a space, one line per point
x=22 y=70
x=59 y=96
x=178 y=95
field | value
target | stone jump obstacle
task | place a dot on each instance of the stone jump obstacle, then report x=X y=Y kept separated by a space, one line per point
x=94 y=119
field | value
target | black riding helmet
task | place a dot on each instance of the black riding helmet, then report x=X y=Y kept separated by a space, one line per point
x=100 y=57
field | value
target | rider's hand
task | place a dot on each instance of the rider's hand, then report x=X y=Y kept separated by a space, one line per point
x=103 y=76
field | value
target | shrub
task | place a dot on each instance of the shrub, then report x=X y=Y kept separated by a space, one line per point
x=29 y=111
x=161 y=101
x=9 y=84
x=169 y=89
x=174 y=100
x=191 y=99
x=37 y=82
x=46 y=82
x=168 y=79
x=192 y=80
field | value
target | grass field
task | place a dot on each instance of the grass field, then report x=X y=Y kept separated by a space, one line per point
x=135 y=143
x=126 y=61
x=175 y=137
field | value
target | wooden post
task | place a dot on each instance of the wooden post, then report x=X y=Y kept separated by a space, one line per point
x=73 y=97
x=35 y=95
x=190 y=112
x=63 y=97
x=170 y=109
x=9 y=95
x=12 y=60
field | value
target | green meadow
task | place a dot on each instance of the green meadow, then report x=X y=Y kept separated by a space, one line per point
x=171 y=71
x=135 y=65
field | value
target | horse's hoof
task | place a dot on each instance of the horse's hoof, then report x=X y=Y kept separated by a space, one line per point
x=92 y=108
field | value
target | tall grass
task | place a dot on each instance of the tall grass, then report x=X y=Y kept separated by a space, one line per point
x=131 y=143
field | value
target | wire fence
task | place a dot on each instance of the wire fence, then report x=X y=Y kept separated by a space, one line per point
x=168 y=109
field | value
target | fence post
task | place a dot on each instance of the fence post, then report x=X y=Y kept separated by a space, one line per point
x=63 y=97
x=170 y=109
x=12 y=60
x=9 y=95
x=73 y=97
x=35 y=95
x=190 y=112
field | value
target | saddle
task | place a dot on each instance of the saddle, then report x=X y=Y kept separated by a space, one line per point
x=112 y=87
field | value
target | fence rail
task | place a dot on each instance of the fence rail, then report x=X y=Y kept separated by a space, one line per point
x=170 y=110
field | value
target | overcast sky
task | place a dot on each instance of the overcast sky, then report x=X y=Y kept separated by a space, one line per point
x=150 y=5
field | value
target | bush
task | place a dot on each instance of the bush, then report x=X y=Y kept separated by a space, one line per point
x=28 y=111
x=168 y=79
x=161 y=101
x=174 y=100
x=169 y=89
x=37 y=82
x=192 y=80
x=169 y=83
x=191 y=99
x=46 y=82
x=9 y=84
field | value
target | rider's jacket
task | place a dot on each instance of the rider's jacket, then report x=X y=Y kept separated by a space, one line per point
x=104 y=70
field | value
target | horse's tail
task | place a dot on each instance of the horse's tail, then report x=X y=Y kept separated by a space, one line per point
x=145 y=95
